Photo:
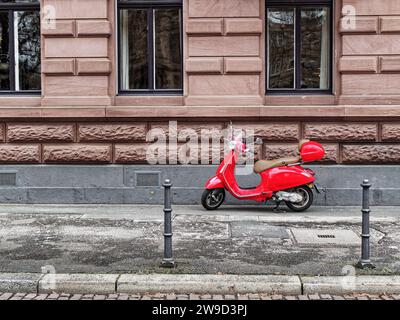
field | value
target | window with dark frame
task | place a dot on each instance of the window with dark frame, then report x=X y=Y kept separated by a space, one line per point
x=299 y=46
x=150 y=47
x=20 y=46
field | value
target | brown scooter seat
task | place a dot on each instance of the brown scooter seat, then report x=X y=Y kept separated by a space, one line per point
x=263 y=165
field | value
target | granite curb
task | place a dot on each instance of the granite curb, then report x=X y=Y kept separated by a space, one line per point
x=200 y=284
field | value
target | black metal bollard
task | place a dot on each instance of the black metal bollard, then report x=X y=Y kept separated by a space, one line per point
x=365 y=262
x=168 y=261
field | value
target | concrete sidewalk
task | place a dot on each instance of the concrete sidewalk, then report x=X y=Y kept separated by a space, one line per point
x=250 y=240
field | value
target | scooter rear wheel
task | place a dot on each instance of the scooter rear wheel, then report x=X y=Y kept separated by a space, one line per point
x=308 y=198
x=212 y=199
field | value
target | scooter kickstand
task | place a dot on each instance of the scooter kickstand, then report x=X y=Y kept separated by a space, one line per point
x=276 y=208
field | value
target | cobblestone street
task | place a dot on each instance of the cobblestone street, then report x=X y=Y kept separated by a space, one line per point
x=172 y=296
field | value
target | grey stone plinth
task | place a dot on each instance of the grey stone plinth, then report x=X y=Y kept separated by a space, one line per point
x=78 y=283
x=19 y=282
x=211 y=284
x=351 y=284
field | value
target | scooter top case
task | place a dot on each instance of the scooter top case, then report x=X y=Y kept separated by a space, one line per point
x=311 y=151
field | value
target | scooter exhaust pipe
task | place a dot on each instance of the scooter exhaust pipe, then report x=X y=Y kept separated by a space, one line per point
x=288 y=197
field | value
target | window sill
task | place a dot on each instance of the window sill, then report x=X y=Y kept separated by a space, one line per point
x=299 y=100
x=153 y=100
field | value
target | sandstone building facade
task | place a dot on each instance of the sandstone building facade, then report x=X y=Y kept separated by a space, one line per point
x=80 y=90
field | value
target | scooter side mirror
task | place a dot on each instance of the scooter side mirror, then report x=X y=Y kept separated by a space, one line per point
x=258 y=141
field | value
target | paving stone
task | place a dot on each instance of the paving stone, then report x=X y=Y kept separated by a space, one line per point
x=193 y=296
x=314 y=297
x=6 y=296
x=53 y=296
x=33 y=296
x=182 y=297
x=171 y=296
x=20 y=294
x=205 y=297
x=254 y=296
x=326 y=297
x=30 y=296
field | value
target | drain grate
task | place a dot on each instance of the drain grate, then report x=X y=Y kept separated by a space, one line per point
x=319 y=237
x=326 y=236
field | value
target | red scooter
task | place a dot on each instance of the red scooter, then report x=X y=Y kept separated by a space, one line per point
x=281 y=179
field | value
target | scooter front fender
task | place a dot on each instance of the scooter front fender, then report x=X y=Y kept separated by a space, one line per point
x=214 y=183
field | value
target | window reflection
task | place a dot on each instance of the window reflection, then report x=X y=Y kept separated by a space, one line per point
x=299 y=47
x=150 y=49
x=4 y=56
x=134 y=49
x=29 y=49
x=20 y=45
x=167 y=49
x=281 y=48
x=315 y=48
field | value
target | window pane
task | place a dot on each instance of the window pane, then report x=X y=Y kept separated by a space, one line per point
x=168 y=58
x=315 y=48
x=19 y=1
x=29 y=49
x=134 y=55
x=4 y=56
x=281 y=48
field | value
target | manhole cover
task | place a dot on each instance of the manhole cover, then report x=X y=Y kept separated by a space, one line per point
x=326 y=237
x=257 y=229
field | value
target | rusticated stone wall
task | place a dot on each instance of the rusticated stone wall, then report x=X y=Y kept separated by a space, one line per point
x=125 y=142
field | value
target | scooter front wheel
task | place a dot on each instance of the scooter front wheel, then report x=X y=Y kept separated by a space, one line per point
x=212 y=199
x=308 y=198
